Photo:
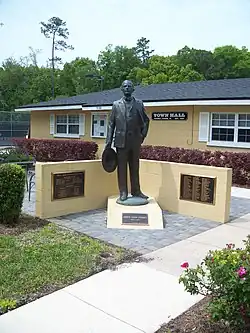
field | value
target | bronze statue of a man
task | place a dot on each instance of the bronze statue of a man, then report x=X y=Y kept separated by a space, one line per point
x=129 y=123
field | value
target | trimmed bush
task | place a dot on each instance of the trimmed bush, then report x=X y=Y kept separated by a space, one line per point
x=224 y=276
x=239 y=162
x=53 y=150
x=12 y=187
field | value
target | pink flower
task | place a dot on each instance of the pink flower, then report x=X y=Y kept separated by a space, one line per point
x=185 y=265
x=242 y=310
x=242 y=272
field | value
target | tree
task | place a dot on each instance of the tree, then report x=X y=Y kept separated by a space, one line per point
x=23 y=81
x=116 y=63
x=223 y=63
x=230 y=62
x=31 y=58
x=164 y=69
x=202 y=61
x=53 y=29
x=74 y=80
x=142 y=50
x=33 y=55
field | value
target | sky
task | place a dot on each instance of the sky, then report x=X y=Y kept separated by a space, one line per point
x=93 y=24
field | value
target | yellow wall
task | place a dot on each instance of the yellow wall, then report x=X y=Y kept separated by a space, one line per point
x=39 y=125
x=176 y=133
x=98 y=186
x=160 y=180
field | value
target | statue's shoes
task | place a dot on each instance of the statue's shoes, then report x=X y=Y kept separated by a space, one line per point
x=140 y=195
x=123 y=196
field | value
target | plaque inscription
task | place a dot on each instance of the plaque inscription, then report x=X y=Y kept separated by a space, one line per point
x=68 y=185
x=197 y=188
x=135 y=218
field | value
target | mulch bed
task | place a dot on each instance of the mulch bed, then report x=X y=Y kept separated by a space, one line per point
x=196 y=320
x=26 y=223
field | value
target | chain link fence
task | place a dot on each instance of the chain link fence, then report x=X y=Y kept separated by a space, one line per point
x=13 y=125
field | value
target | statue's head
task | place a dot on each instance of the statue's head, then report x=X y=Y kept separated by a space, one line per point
x=127 y=88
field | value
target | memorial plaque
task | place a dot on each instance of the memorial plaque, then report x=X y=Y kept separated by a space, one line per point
x=67 y=185
x=197 y=188
x=135 y=218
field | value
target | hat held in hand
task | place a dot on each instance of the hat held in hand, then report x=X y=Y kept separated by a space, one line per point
x=109 y=159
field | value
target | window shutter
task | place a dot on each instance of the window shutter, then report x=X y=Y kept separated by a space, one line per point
x=106 y=125
x=204 y=126
x=81 y=124
x=52 y=124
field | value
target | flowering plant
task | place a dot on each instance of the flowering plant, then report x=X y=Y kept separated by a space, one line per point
x=224 y=276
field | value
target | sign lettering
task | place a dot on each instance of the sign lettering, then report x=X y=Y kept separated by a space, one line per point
x=169 y=115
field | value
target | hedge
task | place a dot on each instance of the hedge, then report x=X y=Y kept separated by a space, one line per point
x=53 y=150
x=239 y=162
x=12 y=187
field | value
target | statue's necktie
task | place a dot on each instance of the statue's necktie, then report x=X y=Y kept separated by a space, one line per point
x=129 y=108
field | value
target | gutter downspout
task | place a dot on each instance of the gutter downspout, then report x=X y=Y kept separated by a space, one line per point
x=192 y=129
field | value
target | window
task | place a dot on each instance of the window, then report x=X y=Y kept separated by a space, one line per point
x=99 y=125
x=68 y=125
x=244 y=128
x=223 y=127
x=230 y=129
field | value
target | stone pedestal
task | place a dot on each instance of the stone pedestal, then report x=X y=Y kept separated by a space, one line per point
x=147 y=216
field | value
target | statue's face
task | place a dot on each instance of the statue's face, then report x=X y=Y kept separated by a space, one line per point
x=127 y=88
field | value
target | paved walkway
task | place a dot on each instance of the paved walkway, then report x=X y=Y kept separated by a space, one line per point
x=135 y=298
x=177 y=227
x=241 y=192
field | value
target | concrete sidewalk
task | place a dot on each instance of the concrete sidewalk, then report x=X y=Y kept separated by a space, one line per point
x=240 y=192
x=135 y=298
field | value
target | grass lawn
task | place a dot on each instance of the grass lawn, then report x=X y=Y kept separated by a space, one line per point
x=38 y=258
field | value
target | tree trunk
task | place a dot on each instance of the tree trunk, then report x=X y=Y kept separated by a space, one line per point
x=53 y=66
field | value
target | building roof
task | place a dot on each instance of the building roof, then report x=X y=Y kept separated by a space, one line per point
x=226 y=89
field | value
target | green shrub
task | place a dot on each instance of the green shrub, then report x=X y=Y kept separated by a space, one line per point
x=225 y=276
x=12 y=187
x=13 y=155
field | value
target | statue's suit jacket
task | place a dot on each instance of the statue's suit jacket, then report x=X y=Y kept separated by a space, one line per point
x=117 y=122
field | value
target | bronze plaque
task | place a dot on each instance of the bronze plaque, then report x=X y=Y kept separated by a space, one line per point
x=135 y=219
x=197 y=188
x=67 y=185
